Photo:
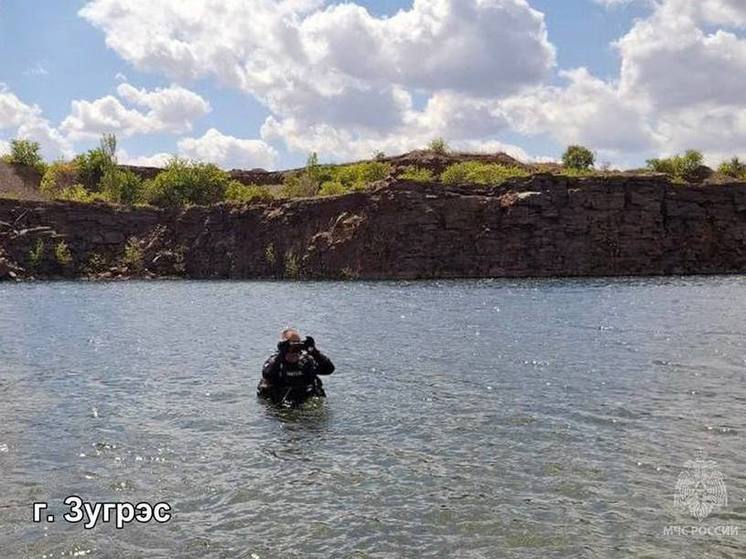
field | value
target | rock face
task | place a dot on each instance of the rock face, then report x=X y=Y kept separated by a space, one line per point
x=539 y=226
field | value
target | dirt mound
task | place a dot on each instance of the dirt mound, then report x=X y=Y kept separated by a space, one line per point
x=17 y=181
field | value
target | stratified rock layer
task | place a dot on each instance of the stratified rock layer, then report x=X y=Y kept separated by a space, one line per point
x=539 y=226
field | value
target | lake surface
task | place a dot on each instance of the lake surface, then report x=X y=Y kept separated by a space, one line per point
x=531 y=418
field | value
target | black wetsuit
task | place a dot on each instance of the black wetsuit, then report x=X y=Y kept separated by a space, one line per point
x=294 y=382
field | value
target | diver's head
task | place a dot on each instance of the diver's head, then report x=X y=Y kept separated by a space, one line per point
x=292 y=336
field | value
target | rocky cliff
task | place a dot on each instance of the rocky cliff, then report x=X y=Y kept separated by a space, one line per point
x=544 y=225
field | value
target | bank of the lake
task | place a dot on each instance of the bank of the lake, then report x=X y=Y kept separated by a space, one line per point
x=537 y=226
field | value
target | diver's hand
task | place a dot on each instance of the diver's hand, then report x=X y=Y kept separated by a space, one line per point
x=310 y=344
x=283 y=347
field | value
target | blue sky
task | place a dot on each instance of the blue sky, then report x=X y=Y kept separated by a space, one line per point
x=53 y=56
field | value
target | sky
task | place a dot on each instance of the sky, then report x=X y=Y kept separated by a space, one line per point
x=263 y=83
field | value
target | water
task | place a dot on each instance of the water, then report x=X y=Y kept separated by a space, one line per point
x=467 y=419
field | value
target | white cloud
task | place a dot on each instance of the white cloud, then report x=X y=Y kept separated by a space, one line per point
x=345 y=83
x=155 y=160
x=680 y=87
x=670 y=61
x=27 y=122
x=228 y=151
x=4 y=147
x=13 y=111
x=341 y=145
x=171 y=109
x=465 y=45
x=587 y=111
x=215 y=147
x=340 y=76
x=261 y=45
x=687 y=78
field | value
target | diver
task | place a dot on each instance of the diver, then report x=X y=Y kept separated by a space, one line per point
x=291 y=375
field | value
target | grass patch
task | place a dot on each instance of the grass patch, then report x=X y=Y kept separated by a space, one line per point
x=417 y=174
x=333 y=188
x=328 y=180
x=474 y=172
x=238 y=193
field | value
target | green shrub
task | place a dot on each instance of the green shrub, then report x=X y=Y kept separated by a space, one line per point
x=439 y=146
x=578 y=157
x=122 y=186
x=571 y=172
x=379 y=155
x=733 y=168
x=316 y=178
x=58 y=176
x=133 y=255
x=93 y=165
x=36 y=254
x=299 y=186
x=680 y=167
x=306 y=183
x=185 y=183
x=237 y=192
x=77 y=193
x=332 y=188
x=26 y=152
x=474 y=172
x=62 y=253
x=358 y=176
x=417 y=174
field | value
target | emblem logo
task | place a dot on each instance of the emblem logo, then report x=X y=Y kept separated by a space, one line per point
x=700 y=489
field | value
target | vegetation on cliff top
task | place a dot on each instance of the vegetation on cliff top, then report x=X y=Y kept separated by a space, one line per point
x=27 y=153
x=681 y=168
x=95 y=176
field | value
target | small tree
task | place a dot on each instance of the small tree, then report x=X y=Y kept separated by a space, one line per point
x=439 y=146
x=305 y=184
x=26 y=152
x=578 y=157
x=93 y=165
